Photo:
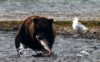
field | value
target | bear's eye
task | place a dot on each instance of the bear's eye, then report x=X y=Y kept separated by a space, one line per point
x=43 y=22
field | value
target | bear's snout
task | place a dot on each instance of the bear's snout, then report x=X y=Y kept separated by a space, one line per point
x=39 y=37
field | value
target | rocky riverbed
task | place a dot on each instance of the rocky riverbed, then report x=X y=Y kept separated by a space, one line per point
x=67 y=48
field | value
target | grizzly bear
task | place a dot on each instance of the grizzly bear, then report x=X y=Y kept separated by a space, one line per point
x=37 y=33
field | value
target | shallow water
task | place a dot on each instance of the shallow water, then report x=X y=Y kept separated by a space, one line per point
x=65 y=49
x=65 y=9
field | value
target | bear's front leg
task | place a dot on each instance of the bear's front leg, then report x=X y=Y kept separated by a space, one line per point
x=20 y=50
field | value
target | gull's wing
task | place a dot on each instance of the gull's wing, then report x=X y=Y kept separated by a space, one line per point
x=79 y=26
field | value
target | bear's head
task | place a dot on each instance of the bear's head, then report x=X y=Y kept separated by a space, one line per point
x=42 y=27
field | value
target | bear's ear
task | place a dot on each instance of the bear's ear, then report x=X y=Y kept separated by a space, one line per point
x=35 y=20
x=51 y=20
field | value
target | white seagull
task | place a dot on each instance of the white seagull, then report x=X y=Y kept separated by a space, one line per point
x=78 y=26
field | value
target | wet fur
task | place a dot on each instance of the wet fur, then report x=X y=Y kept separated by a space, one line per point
x=27 y=37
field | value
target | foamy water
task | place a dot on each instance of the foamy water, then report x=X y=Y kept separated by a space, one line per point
x=59 y=9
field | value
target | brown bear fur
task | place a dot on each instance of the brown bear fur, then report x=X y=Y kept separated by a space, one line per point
x=30 y=28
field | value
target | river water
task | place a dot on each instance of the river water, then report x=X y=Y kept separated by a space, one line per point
x=58 y=9
x=66 y=49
